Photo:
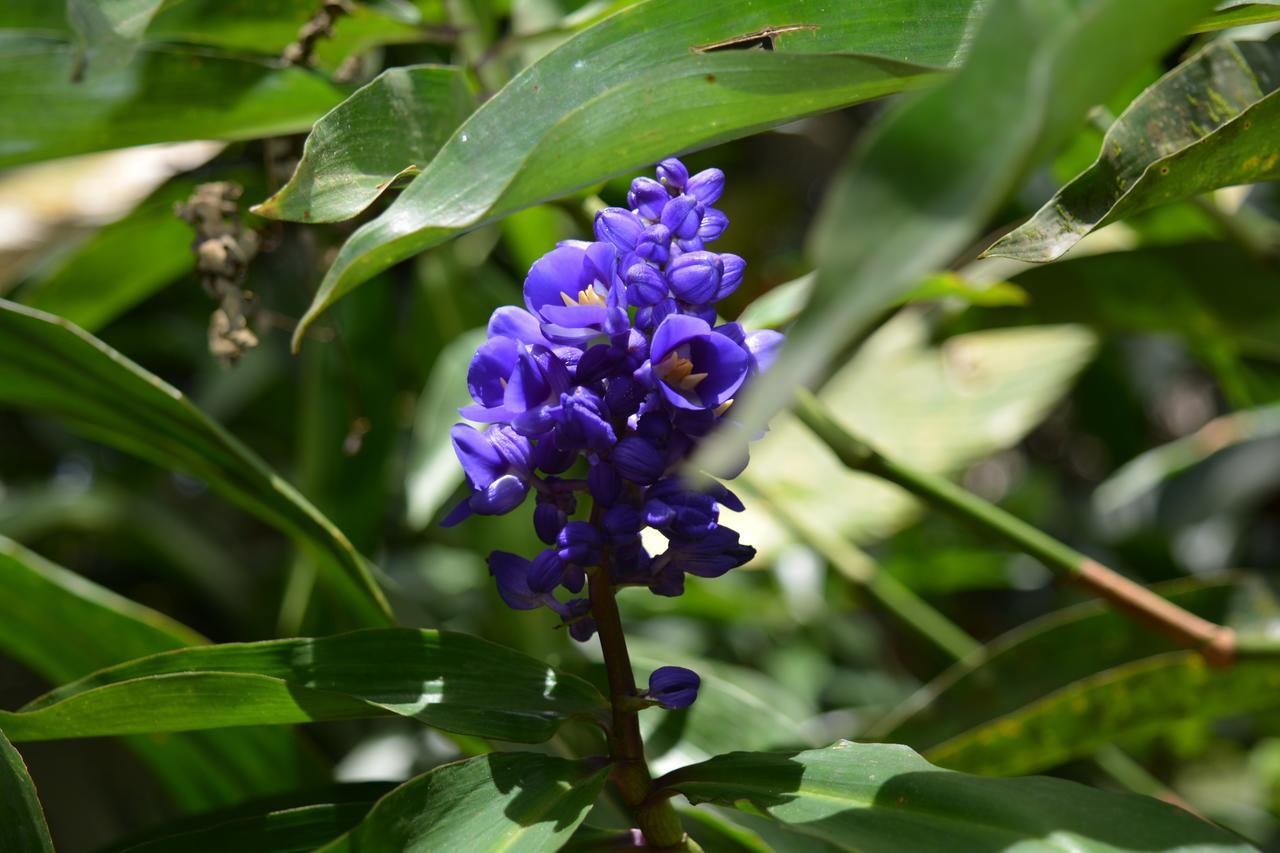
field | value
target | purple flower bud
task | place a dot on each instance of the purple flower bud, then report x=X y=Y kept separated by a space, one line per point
x=579 y=544
x=763 y=347
x=545 y=572
x=511 y=571
x=649 y=319
x=674 y=687
x=645 y=285
x=548 y=521
x=624 y=396
x=552 y=459
x=638 y=461
x=734 y=267
x=575 y=614
x=647 y=197
x=706 y=186
x=673 y=173
x=604 y=484
x=654 y=244
x=682 y=216
x=618 y=226
x=713 y=224
x=695 y=277
x=622 y=522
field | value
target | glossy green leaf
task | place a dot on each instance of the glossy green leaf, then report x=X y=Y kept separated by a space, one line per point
x=50 y=366
x=452 y=681
x=1211 y=122
x=62 y=627
x=926 y=179
x=164 y=94
x=385 y=132
x=291 y=823
x=522 y=802
x=22 y=826
x=1238 y=13
x=434 y=473
x=941 y=407
x=1034 y=660
x=880 y=797
x=631 y=90
x=1141 y=698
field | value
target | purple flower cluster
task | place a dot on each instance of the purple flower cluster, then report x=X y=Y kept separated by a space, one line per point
x=619 y=361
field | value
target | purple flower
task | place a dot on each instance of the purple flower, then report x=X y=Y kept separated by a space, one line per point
x=674 y=687
x=696 y=367
x=616 y=362
x=571 y=291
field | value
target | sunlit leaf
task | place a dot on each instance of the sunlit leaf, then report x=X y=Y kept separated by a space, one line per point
x=926 y=179
x=503 y=801
x=52 y=367
x=631 y=90
x=109 y=31
x=1237 y=13
x=943 y=408
x=62 y=626
x=1034 y=660
x=1141 y=698
x=164 y=94
x=452 y=681
x=880 y=797
x=22 y=825
x=386 y=131
x=1211 y=122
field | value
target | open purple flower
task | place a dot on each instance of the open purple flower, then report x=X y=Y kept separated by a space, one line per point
x=695 y=366
x=571 y=290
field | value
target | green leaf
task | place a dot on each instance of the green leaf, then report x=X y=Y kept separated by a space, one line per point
x=109 y=31
x=434 y=473
x=631 y=90
x=1211 y=122
x=385 y=132
x=451 y=681
x=1034 y=660
x=1238 y=13
x=293 y=823
x=1141 y=698
x=62 y=627
x=164 y=94
x=942 y=407
x=503 y=801
x=1169 y=289
x=22 y=825
x=927 y=178
x=52 y=367
x=879 y=797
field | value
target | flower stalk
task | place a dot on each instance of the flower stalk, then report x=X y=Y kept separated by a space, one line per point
x=657 y=820
x=1216 y=642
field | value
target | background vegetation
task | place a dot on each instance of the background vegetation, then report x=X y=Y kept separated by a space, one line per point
x=1124 y=398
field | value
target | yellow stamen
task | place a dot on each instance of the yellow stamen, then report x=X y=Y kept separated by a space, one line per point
x=589 y=296
x=724 y=407
x=678 y=372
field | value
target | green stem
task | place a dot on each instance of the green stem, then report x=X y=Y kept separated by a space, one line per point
x=657 y=819
x=1215 y=642
x=859 y=568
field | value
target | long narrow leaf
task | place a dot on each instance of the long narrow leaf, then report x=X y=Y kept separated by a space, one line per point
x=520 y=802
x=52 y=367
x=452 y=681
x=879 y=797
x=22 y=825
x=641 y=85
